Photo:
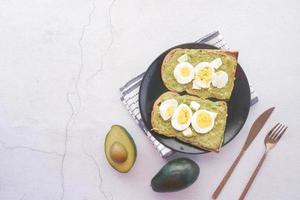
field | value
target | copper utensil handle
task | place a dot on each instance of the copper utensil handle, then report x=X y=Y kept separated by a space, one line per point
x=252 y=177
x=227 y=175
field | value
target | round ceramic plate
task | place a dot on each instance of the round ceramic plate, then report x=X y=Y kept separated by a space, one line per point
x=152 y=87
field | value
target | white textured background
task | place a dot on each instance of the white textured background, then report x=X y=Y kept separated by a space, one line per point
x=62 y=62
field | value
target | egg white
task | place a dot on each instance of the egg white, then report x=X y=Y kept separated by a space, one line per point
x=177 y=72
x=194 y=105
x=175 y=124
x=216 y=63
x=198 y=84
x=195 y=85
x=219 y=79
x=187 y=132
x=195 y=125
x=164 y=106
x=183 y=58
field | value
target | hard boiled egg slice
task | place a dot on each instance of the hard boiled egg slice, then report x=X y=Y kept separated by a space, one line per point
x=194 y=105
x=216 y=63
x=183 y=58
x=203 y=75
x=182 y=117
x=203 y=121
x=184 y=72
x=167 y=108
x=187 y=132
x=220 y=79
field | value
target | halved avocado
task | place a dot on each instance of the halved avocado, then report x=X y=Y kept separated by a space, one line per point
x=120 y=149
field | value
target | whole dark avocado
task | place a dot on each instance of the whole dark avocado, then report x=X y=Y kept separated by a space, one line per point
x=176 y=175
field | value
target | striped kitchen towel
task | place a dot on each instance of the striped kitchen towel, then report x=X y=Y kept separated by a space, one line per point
x=130 y=94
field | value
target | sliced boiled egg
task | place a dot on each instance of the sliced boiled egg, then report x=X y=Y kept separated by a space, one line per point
x=187 y=132
x=167 y=108
x=216 y=63
x=203 y=75
x=183 y=58
x=194 y=105
x=196 y=85
x=203 y=121
x=219 y=79
x=184 y=72
x=182 y=117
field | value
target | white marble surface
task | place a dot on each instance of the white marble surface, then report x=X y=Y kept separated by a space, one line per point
x=62 y=63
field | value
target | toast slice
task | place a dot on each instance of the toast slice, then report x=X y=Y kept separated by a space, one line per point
x=211 y=141
x=195 y=56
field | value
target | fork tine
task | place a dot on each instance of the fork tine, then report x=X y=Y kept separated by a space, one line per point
x=268 y=136
x=280 y=134
x=271 y=131
x=278 y=131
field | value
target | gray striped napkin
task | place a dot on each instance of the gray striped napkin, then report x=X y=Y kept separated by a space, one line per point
x=130 y=94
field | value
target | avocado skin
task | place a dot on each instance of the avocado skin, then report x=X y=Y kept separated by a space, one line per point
x=175 y=175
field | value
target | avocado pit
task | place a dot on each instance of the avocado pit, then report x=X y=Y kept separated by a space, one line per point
x=118 y=152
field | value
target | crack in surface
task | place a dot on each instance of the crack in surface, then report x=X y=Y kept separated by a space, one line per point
x=5 y=146
x=99 y=173
x=83 y=30
x=74 y=112
x=66 y=145
x=111 y=27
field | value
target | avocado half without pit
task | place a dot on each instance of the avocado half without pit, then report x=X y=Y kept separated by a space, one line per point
x=120 y=149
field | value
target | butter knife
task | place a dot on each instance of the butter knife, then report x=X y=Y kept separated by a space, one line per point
x=256 y=127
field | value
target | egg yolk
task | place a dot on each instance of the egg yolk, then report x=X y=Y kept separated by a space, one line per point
x=205 y=74
x=183 y=116
x=204 y=120
x=170 y=110
x=185 y=72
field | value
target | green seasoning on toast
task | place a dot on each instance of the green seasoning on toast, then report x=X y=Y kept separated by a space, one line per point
x=190 y=119
x=202 y=72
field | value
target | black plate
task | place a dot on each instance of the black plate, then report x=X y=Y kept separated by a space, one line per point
x=152 y=87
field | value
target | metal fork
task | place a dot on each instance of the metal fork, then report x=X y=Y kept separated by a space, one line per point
x=271 y=140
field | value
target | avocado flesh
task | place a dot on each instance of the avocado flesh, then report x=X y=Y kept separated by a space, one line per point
x=176 y=175
x=118 y=134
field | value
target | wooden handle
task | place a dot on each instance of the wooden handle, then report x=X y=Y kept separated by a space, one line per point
x=227 y=175
x=252 y=177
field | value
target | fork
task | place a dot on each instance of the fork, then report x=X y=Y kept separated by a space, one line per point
x=270 y=141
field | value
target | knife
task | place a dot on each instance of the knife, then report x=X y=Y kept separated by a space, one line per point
x=256 y=127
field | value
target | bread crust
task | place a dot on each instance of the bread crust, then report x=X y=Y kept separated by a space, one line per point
x=166 y=59
x=157 y=101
